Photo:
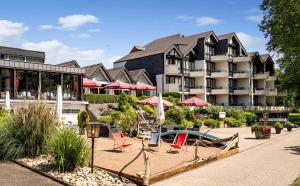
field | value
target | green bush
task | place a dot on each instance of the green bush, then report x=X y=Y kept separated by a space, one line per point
x=201 y=111
x=294 y=118
x=133 y=100
x=287 y=124
x=214 y=110
x=143 y=97
x=123 y=102
x=148 y=109
x=28 y=131
x=83 y=119
x=188 y=113
x=171 y=99
x=232 y=122
x=105 y=119
x=258 y=127
x=125 y=119
x=185 y=124
x=173 y=94
x=169 y=121
x=5 y=116
x=250 y=118
x=198 y=123
x=278 y=125
x=211 y=123
x=236 y=114
x=68 y=149
x=101 y=98
x=176 y=114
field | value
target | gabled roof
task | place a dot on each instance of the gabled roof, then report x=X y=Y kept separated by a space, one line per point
x=21 y=52
x=136 y=74
x=256 y=54
x=163 y=45
x=91 y=69
x=116 y=72
x=72 y=63
x=265 y=57
x=230 y=35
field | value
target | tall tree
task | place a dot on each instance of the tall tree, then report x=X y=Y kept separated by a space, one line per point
x=281 y=24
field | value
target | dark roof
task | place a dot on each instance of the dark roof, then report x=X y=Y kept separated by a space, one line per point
x=226 y=36
x=91 y=69
x=115 y=73
x=162 y=45
x=21 y=52
x=72 y=63
x=265 y=57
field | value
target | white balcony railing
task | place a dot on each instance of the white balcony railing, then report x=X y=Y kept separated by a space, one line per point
x=241 y=74
x=242 y=91
x=197 y=73
x=219 y=58
x=240 y=59
x=261 y=75
x=197 y=90
x=172 y=69
x=261 y=92
x=220 y=90
x=218 y=74
x=172 y=87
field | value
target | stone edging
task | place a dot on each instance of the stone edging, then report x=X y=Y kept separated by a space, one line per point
x=43 y=173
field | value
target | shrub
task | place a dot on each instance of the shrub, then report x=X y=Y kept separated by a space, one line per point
x=125 y=119
x=83 y=119
x=198 y=123
x=278 y=125
x=176 y=114
x=101 y=98
x=211 y=123
x=232 y=122
x=214 y=110
x=295 y=118
x=236 y=114
x=123 y=102
x=5 y=116
x=250 y=117
x=169 y=121
x=68 y=149
x=201 y=111
x=171 y=99
x=105 y=119
x=188 y=114
x=173 y=94
x=28 y=131
x=258 y=127
x=143 y=97
x=288 y=124
x=148 y=109
x=133 y=100
x=185 y=124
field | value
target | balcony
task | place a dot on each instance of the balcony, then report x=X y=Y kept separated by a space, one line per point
x=241 y=59
x=282 y=93
x=272 y=92
x=260 y=92
x=197 y=90
x=219 y=74
x=197 y=73
x=220 y=58
x=261 y=75
x=172 y=87
x=271 y=78
x=241 y=74
x=220 y=90
x=278 y=109
x=172 y=69
x=242 y=91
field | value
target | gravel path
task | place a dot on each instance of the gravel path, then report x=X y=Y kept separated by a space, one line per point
x=12 y=174
x=275 y=162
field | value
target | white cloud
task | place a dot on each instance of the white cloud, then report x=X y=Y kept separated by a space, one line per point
x=203 y=21
x=185 y=18
x=251 y=11
x=11 y=32
x=57 y=52
x=252 y=43
x=81 y=36
x=46 y=27
x=72 y=22
x=108 y=62
x=94 y=30
x=256 y=18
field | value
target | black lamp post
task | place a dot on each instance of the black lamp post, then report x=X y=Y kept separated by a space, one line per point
x=93 y=131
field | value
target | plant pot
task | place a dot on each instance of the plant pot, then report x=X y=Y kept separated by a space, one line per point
x=259 y=134
x=264 y=133
x=289 y=128
x=278 y=130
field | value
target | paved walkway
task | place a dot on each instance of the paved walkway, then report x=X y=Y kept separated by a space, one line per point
x=14 y=175
x=275 y=162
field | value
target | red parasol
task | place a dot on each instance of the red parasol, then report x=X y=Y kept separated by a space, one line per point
x=154 y=100
x=195 y=102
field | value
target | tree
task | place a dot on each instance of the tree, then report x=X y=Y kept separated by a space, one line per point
x=281 y=23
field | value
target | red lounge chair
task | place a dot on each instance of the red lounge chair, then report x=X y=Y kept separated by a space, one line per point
x=180 y=139
x=119 y=142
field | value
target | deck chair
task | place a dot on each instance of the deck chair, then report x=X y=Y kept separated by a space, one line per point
x=154 y=140
x=180 y=140
x=119 y=141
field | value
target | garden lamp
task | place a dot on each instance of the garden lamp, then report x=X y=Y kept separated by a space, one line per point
x=93 y=131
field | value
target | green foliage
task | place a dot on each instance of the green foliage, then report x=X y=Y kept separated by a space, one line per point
x=278 y=125
x=258 y=127
x=143 y=97
x=125 y=119
x=288 y=124
x=133 y=100
x=198 y=123
x=188 y=114
x=169 y=121
x=105 y=119
x=83 y=119
x=185 y=124
x=176 y=114
x=123 y=102
x=211 y=123
x=28 y=131
x=172 y=94
x=201 y=111
x=237 y=114
x=68 y=149
x=101 y=98
x=295 y=118
x=148 y=109
x=214 y=110
x=250 y=118
x=171 y=99
x=232 y=122
x=281 y=25
x=5 y=116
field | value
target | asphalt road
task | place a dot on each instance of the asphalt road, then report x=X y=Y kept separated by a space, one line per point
x=275 y=162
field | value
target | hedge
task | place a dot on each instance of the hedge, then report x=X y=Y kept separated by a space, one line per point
x=101 y=98
x=294 y=118
x=173 y=94
x=232 y=122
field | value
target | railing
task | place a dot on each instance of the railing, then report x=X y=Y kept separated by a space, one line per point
x=219 y=73
x=220 y=57
x=269 y=108
x=241 y=59
x=172 y=69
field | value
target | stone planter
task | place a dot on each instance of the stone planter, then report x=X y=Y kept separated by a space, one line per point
x=278 y=130
x=264 y=133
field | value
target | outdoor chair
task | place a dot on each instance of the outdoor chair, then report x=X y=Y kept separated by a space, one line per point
x=179 y=142
x=119 y=141
x=154 y=140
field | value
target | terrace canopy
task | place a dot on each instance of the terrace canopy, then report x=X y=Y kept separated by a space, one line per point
x=154 y=101
x=119 y=85
x=194 y=101
x=90 y=83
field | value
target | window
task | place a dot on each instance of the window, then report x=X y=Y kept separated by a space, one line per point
x=232 y=68
x=233 y=100
x=212 y=99
x=211 y=67
x=210 y=84
x=173 y=80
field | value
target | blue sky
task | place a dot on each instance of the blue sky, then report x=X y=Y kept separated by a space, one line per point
x=96 y=31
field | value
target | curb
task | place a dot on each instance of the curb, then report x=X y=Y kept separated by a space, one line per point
x=42 y=173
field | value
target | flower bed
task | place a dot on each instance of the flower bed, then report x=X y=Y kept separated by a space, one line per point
x=80 y=176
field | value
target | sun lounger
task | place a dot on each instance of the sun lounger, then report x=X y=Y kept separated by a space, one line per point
x=119 y=141
x=180 y=140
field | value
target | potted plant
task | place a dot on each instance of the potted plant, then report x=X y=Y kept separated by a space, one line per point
x=289 y=126
x=278 y=127
x=83 y=119
x=261 y=131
